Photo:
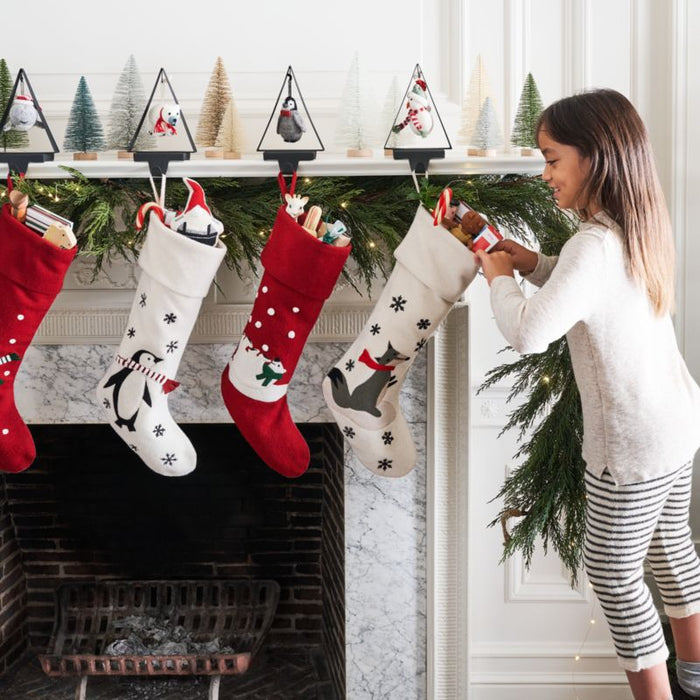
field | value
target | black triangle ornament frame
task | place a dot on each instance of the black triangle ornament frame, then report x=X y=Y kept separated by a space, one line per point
x=165 y=118
x=419 y=119
x=18 y=161
x=290 y=127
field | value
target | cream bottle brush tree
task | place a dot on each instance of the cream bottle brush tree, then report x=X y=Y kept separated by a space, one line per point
x=355 y=130
x=479 y=89
x=230 y=136
x=216 y=100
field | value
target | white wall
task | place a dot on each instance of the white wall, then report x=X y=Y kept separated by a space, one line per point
x=525 y=626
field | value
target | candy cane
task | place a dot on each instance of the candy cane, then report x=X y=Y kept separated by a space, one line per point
x=144 y=209
x=441 y=207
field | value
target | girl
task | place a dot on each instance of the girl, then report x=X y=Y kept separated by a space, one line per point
x=611 y=292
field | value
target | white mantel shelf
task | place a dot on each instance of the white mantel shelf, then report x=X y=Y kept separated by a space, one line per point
x=326 y=165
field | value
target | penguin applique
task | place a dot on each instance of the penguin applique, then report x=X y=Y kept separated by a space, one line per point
x=290 y=124
x=130 y=388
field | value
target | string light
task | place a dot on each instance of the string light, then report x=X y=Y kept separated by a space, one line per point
x=344 y=205
x=307 y=179
x=372 y=244
x=545 y=379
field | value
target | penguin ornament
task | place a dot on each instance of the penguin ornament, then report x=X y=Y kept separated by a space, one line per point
x=290 y=124
x=130 y=389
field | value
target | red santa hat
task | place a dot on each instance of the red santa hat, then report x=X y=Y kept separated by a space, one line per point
x=196 y=197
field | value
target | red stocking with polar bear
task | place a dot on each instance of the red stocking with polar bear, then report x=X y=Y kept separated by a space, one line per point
x=300 y=273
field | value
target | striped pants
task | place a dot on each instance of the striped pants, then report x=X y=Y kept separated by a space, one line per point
x=624 y=525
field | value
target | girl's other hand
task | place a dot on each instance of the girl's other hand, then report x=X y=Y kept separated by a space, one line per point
x=524 y=260
x=494 y=264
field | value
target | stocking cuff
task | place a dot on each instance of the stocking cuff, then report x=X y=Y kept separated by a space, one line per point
x=300 y=261
x=182 y=265
x=433 y=255
x=30 y=261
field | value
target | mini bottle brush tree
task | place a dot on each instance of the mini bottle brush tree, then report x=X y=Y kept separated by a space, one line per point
x=211 y=117
x=487 y=134
x=355 y=129
x=84 y=133
x=125 y=112
x=391 y=107
x=477 y=93
x=230 y=136
x=529 y=110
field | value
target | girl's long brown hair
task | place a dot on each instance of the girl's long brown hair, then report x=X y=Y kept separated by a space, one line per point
x=606 y=128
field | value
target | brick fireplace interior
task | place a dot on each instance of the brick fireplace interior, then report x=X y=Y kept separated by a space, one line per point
x=89 y=510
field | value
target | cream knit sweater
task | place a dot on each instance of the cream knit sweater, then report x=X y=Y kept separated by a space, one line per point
x=641 y=406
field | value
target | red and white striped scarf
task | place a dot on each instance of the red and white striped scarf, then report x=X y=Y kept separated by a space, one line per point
x=167 y=384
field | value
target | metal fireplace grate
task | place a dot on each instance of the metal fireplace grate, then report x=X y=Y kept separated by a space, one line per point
x=238 y=613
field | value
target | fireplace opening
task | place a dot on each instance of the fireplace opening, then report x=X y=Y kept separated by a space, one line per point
x=89 y=513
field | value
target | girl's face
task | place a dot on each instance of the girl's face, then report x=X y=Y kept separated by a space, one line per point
x=566 y=172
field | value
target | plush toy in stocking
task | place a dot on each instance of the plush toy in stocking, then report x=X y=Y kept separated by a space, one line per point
x=432 y=271
x=300 y=273
x=177 y=271
x=30 y=279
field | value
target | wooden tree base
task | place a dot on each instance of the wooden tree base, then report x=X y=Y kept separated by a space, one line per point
x=214 y=153
x=359 y=153
x=472 y=151
x=125 y=155
x=232 y=155
x=389 y=152
x=527 y=151
x=485 y=152
x=90 y=155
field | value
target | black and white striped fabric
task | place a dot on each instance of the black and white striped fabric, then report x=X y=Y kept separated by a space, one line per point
x=624 y=525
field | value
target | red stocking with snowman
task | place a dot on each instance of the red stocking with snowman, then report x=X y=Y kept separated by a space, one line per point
x=300 y=273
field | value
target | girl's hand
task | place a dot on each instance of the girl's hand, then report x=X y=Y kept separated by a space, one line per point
x=524 y=260
x=494 y=264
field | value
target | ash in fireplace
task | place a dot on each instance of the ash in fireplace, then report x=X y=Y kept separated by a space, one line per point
x=144 y=635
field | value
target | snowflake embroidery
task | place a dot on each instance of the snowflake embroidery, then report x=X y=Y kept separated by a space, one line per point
x=397 y=304
x=375 y=329
x=158 y=430
x=349 y=432
x=388 y=438
x=423 y=324
x=169 y=318
x=349 y=365
x=106 y=403
x=142 y=303
x=168 y=459
x=171 y=346
x=131 y=332
x=134 y=448
x=419 y=345
x=384 y=464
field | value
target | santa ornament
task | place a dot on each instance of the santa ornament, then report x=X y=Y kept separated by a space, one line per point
x=300 y=273
x=419 y=116
x=30 y=279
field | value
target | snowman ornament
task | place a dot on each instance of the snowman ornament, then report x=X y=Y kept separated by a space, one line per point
x=419 y=116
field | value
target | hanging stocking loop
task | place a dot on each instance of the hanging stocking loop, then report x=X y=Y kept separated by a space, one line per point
x=283 y=183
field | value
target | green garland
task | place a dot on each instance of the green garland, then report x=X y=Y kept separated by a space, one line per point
x=547 y=487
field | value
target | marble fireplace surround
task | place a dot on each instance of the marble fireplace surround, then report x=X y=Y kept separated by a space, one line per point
x=406 y=545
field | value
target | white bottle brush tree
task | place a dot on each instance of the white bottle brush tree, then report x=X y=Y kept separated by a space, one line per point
x=10 y=139
x=128 y=103
x=479 y=89
x=216 y=100
x=230 y=136
x=392 y=101
x=357 y=114
x=487 y=133
x=84 y=133
x=529 y=110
